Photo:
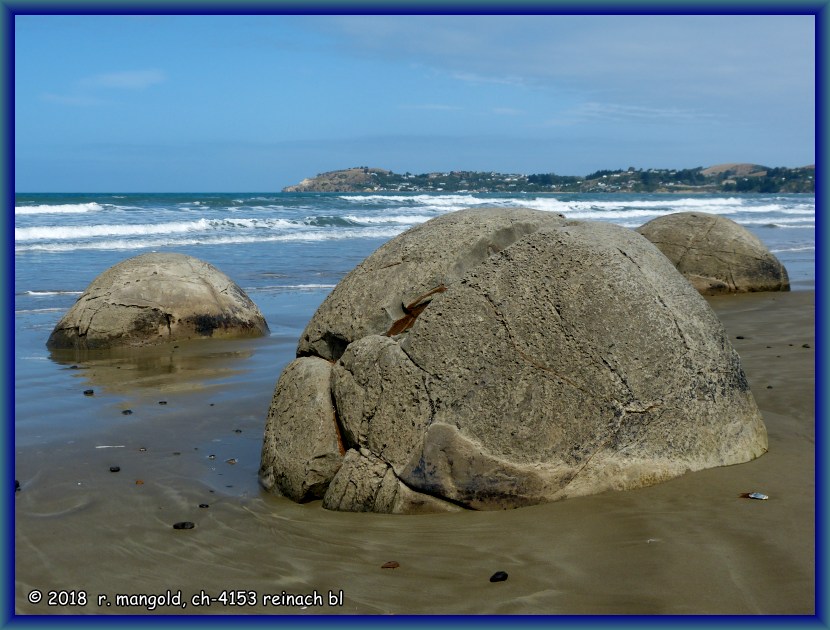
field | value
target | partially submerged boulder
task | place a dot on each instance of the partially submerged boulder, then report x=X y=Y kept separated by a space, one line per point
x=716 y=254
x=571 y=360
x=155 y=298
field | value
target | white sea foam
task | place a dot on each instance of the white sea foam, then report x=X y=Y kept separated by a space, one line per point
x=63 y=208
x=800 y=248
x=290 y=287
x=39 y=310
x=69 y=232
x=211 y=239
x=72 y=232
x=41 y=293
x=403 y=219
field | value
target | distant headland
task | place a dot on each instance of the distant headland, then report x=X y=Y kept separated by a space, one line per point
x=714 y=179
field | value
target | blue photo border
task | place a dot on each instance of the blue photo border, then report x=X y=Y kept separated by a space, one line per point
x=9 y=8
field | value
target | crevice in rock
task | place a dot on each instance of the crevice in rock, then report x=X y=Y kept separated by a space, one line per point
x=455 y=502
x=412 y=310
x=659 y=299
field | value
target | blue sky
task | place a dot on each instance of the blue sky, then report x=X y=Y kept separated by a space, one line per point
x=255 y=103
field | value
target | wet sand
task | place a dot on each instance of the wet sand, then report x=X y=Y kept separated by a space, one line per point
x=689 y=546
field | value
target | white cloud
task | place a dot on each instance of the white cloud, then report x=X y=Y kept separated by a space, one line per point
x=615 y=112
x=77 y=101
x=127 y=80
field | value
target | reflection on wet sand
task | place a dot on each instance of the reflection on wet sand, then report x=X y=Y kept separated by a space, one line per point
x=184 y=366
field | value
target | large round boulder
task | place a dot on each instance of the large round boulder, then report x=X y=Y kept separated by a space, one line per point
x=155 y=298
x=716 y=254
x=572 y=360
x=386 y=291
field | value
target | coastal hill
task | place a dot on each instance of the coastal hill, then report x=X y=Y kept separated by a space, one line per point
x=732 y=177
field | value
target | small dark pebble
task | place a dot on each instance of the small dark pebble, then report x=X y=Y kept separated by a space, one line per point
x=89 y=392
x=73 y=367
x=791 y=345
x=806 y=345
x=739 y=337
x=177 y=452
x=162 y=402
x=211 y=456
x=498 y=576
x=175 y=346
x=184 y=525
x=392 y=564
x=16 y=485
x=769 y=386
x=211 y=404
x=143 y=449
x=237 y=430
x=115 y=468
x=204 y=505
x=127 y=412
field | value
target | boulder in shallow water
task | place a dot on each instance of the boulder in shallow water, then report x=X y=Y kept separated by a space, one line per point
x=156 y=298
x=716 y=254
x=571 y=360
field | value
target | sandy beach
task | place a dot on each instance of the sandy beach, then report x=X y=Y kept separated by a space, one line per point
x=689 y=546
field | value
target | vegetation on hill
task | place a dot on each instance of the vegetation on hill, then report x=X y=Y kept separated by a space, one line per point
x=714 y=179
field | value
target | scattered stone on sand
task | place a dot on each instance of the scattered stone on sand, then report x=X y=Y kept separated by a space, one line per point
x=498 y=358
x=498 y=576
x=716 y=254
x=157 y=298
x=184 y=525
x=392 y=564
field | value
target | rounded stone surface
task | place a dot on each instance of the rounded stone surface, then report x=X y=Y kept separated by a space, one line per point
x=716 y=254
x=157 y=298
x=573 y=360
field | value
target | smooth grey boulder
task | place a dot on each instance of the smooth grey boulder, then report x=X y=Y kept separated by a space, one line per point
x=573 y=360
x=156 y=298
x=387 y=290
x=302 y=450
x=716 y=254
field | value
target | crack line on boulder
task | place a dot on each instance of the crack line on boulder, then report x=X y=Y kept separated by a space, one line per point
x=528 y=358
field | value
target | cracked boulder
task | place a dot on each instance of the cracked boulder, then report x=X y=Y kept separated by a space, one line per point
x=156 y=298
x=716 y=254
x=388 y=290
x=573 y=360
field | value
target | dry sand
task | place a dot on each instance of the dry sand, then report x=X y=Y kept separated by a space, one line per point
x=689 y=546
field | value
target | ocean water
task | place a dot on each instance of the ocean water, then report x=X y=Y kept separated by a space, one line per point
x=287 y=251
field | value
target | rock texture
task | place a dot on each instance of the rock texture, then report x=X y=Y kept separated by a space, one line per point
x=716 y=254
x=156 y=298
x=557 y=359
x=387 y=291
